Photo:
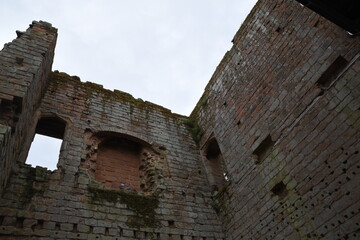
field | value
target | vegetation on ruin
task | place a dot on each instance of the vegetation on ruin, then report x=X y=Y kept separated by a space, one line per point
x=194 y=128
x=220 y=202
x=203 y=101
x=29 y=191
x=88 y=90
x=143 y=205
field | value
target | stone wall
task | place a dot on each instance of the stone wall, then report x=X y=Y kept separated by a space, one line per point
x=24 y=66
x=5 y=166
x=171 y=201
x=271 y=151
x=283 y=106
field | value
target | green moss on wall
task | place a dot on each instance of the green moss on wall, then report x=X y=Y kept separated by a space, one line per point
x=33 y=176
x=63 y=81
x=194 y=128
x=220 y=202
x=143 y=205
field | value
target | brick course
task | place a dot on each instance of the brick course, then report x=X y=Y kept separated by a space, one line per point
x=74 y=205
x=267 y=86
x=25 y=64
x=283 y=106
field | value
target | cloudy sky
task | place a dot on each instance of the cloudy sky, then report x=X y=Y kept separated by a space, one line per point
x=162 y=51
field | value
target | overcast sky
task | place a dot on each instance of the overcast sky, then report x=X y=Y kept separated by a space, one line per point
x=162 y=51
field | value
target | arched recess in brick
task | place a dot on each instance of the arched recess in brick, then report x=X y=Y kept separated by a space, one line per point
x=120 y=161
x=214 y=164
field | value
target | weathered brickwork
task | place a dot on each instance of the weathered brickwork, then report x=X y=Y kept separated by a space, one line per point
x=75 y=201
x=271 y=151
x=117 y=164
x=25 y=64
x=5 y=166
x=284 y=108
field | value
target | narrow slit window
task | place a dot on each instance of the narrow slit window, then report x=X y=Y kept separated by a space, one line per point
x=264 y=149
x=215 y=165
x=332 y=72
x=45 y=148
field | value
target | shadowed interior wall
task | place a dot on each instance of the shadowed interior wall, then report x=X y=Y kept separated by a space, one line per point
x=284 y=107
x=214 y=164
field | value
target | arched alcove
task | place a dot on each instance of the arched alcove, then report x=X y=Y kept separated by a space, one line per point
x=214 y=164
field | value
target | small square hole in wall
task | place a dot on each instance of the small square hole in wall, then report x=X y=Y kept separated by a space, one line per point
x=171 y=223
x=280 y=190
x=20 y=222
x=40 y=224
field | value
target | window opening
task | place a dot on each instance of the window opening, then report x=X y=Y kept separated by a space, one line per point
x=44 y=152
x=332 y=72
x=45 y=148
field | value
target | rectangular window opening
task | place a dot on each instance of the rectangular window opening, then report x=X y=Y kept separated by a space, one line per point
x=45 y=148
x=44 y=152
x=264 y=149
x=332 y=72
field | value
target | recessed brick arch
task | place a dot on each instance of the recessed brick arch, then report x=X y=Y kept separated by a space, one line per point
x=120 y=161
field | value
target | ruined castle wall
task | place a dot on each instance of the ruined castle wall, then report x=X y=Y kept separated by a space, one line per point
x=278 y=153
x=173 y=199
x=5 y=132
x=24 y=66
x=284 y=108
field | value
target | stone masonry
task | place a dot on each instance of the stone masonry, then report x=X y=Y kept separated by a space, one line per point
x=271 y=150
x=284 y=107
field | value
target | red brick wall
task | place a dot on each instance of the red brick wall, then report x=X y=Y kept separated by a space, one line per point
x=117 y=163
